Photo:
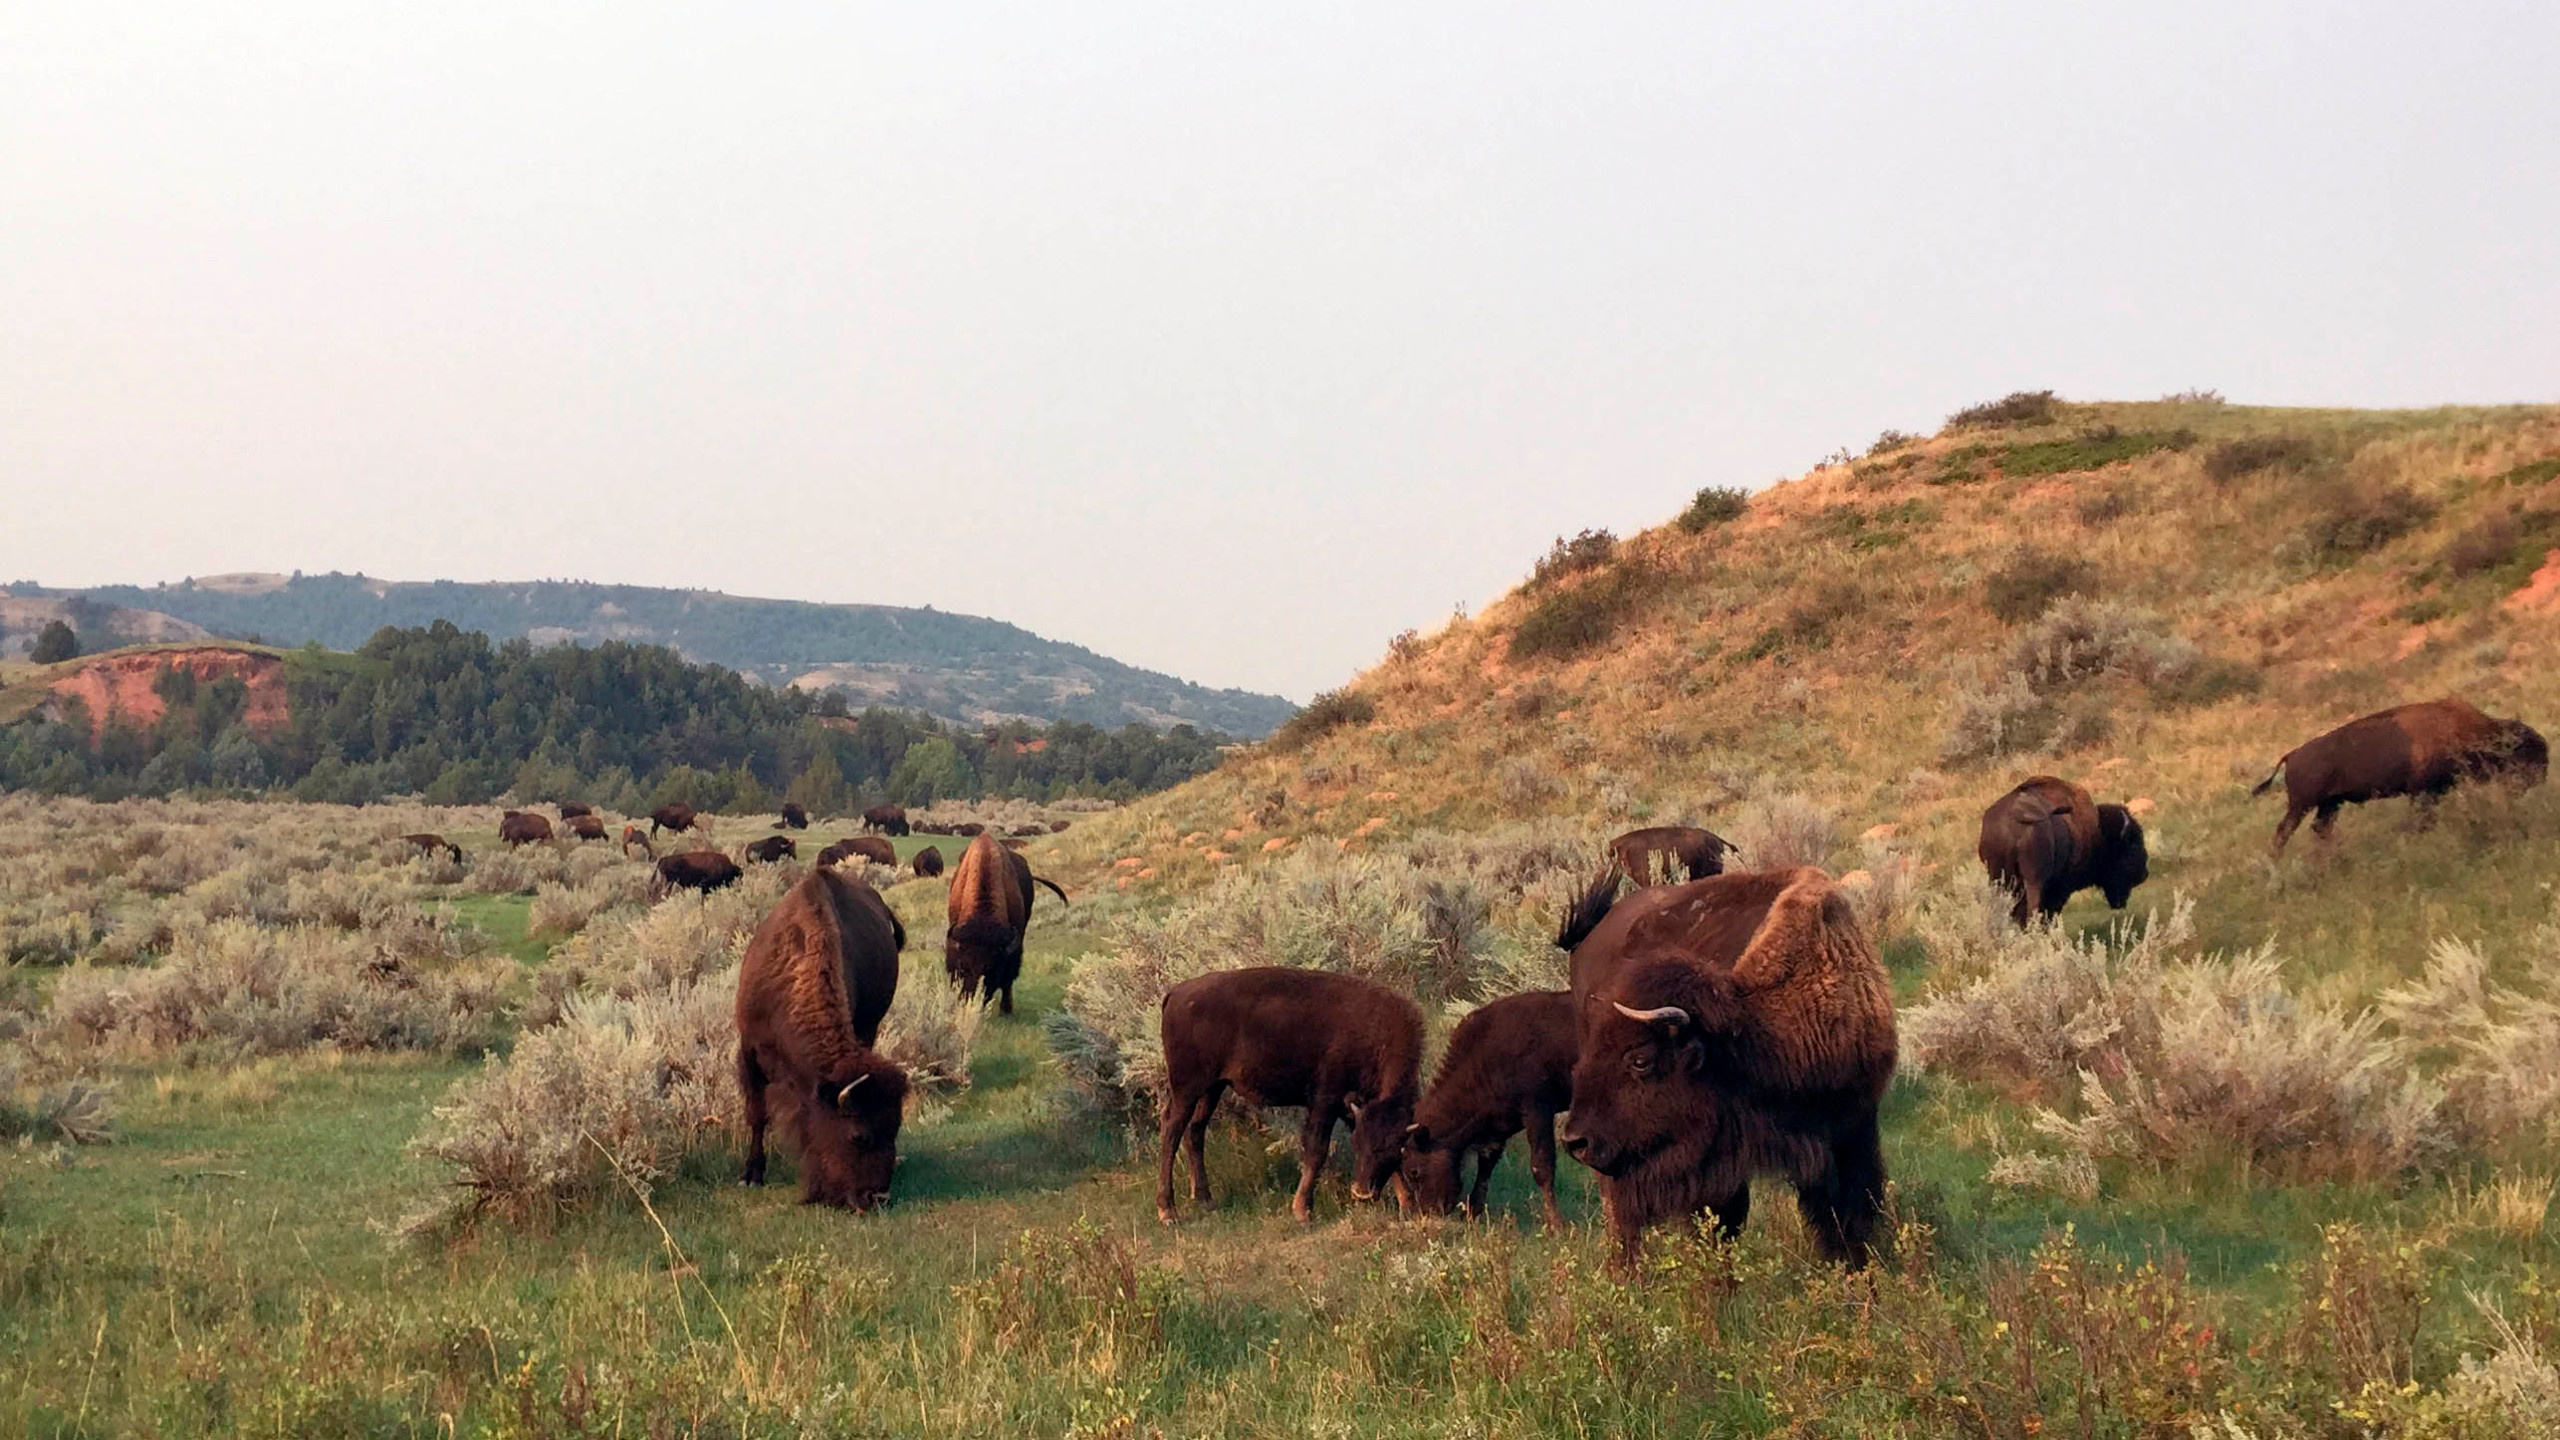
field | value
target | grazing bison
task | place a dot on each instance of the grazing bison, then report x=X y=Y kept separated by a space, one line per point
x=819 y=973
x=969 y=828
x=586 y=827
x=772 y=848
x=631 y=836
x=887 y=819
x=430 y=844
x=703 y=870
x=2044 y=842
x=1650 y=855
x=678 y=817
x=792 y=818
x=571 y=809
x=2420 y=750
x=517 y=828
x=1057 y=827
x=990 y=909
x=869 y=847
x=1025 y=832
x=928 y=863
x=1336 y=1044
x=1509 y=1068
x=1724 y=1027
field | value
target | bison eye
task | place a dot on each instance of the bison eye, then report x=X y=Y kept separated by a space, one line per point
x=1640 y=1061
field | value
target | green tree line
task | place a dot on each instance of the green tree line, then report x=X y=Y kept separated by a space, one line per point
x=444 y=713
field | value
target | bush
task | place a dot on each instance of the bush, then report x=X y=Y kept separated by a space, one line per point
x=2091 y=450
x=2233 y=459
x=2008 y=718
x=2358 y=521
x=1567 y=622
x=2107 y=506
x=2019 y=407
x=1326 y=713
x=2078 y=639
x=2031 y=579
x=1891 y=440
x=1784 y=830
x=1589 y=550
x=1712 y=506
x=54 y=644
x=2497 y=1046
x=75 y=1112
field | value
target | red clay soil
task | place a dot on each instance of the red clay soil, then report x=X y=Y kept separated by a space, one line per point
x=120 y=685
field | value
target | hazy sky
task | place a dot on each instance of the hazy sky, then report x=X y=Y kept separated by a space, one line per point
x=1228 y=340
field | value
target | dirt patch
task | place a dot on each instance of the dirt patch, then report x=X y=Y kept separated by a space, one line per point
x=121 y=686
x=2541 y=594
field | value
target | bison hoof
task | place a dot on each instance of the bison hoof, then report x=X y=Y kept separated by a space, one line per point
x=1305 y=1212
x=1164 y=1214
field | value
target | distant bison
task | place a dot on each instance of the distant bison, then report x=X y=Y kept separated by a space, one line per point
x=869 y=847
x=1057 y=827
x=772 y=848
x=430 y=844
x=927 y=862
x=678 y=817
x=586 y=827
x=2044 y=842
x=631 y=836
x=968 y=827
x=1025 y=832
x=990 y=909
x=1649 y=855
x=1509 y=1068
x=1336 y=1044
x=571 y=809
x=1729 y=1026
x=792 y=818
x=818 y=975
x=703 y=870
x=2420 y=750
x=518 y=828
x=887 y=819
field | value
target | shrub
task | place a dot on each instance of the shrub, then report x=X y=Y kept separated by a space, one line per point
x=2359 y=520
x=2018 y=407
x=1712 y=506
x=2533 y=472
x=1524 y=783
x=2031 y=579
x=2107 y=506
x=2007 y=718
x=1326 y=713
x=2091 y=450
x=75 y=1112
x=2078 y=639
x=1891 y=440
x=54 y=644
x=2496 y=1047
x=2210 y=682
x=1569 y=621
x=1589 y=550
x=1775 y=832
x=2233 y=459
x=677 y=941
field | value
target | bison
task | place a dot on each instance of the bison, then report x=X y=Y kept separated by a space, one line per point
x=586 y=827
x=1026 y=832
x=1651 y=854
x=1724 y=1027
x=571 y=809
x=791 y=818
x=886 y=819
x=869 y=847
x=772 y=848
x=1336 y=1044
x=518 y=828
x=1057 y=827
x=430 y=844
x=2420 y=750
x=818 y=975
x=2044 y=842
x=990 y=909
x=1509 y=1068
x=631 y=836
x=703 y=870
x=968 y=828
x=678 y=817
x=927 y=863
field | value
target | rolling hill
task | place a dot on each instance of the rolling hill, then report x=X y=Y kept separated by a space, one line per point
x=957 y=667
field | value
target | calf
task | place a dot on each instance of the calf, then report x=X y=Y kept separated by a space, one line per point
x=818 y=975
x=703 y=870
x=430 y=844
x=1509 y=1068
x=772 y=848
x=1338 y=1045
x=631 y=836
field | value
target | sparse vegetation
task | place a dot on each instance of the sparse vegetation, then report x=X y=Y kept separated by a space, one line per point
x=1715 y=505
x=2356 y=520
x=1589 y=550
x=2248 y=455
x=2031 y=579
x=2018 y=407
x=2089 y=450
x=1328 y=712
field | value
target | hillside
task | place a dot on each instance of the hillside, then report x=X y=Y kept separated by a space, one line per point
x=2183 y=591
x=957 y=667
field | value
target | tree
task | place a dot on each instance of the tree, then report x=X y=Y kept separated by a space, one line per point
x=56 y=643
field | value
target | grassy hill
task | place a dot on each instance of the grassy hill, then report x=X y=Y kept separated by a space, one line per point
x=958 y=667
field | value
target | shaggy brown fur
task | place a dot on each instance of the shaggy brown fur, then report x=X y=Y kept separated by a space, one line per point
x=1336 y=1044
x=571 y=809
x=818 y=975
x=991 y=892
x=430 y=844
x=791 y=818
x=887 y=819
x=586 y=827
x=2045 y=841
x=1763 y=1041
x=703 y=870
x=517 y=828
x=2420 y=750
x=1651 y=855
x=1509 y=1068
x=678 y=816
x=869 y=847
x=772 y=848
x=631 y=836
x=928 y=863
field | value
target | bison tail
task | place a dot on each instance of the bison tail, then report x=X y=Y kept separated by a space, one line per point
x=1591 y=906
x=2263 y=786
x=1053 y=885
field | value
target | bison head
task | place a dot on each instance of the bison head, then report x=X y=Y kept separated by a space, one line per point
x=2520 y=754
x=862 y=1111
x=973 y=949
x=2123 y=860
x=1431 y=1171
x=1641 y=1084
x=1377 y=1141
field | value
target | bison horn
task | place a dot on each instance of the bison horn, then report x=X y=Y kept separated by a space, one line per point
x=1351 y=1105
x=845 y=1095
x=1655 y=1016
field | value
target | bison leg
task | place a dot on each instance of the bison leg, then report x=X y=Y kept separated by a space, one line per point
x=1732 y=1212
x=1542 y=1162
x=2326 y=818
x=751 y=1083
x=2285 y=827
x=1486 y=1159
x=1196 y=1144
x=1177 y=1118
x=1006 y=1008
x=1842 y=1204
x=1315 y=1146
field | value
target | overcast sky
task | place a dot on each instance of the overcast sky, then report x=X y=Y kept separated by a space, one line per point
x=1226 y=340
